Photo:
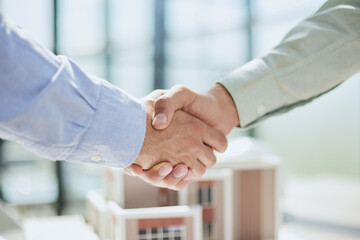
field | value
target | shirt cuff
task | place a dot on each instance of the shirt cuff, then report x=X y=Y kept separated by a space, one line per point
x=117 y=132
x=254 y=91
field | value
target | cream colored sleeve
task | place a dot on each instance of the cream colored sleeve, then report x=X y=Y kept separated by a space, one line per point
x=314 y=57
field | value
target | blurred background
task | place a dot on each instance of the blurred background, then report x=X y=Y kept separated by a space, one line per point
x=142 y=45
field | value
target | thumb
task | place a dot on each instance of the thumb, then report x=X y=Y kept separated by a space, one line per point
x=164 y=110
x=178 y=97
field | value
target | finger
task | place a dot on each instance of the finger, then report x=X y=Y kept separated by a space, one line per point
x=207 y=157
x=179 y=172
x=183 y=182
x=198 y=168
x=157 y=173
x=133 y=170
x=165 y=106
x=214 y=138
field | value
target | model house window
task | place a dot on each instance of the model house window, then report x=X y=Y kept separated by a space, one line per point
x=206 y=200
x=166 y=233
x=205 y=195
x=208 y=232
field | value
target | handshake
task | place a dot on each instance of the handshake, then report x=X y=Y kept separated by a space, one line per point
x=182 y=131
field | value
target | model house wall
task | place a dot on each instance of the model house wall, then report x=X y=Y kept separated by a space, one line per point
x=255 y=212
x=129 y=191
x=98 y=214
x=139 y=194
x=176 y=222
x=114 y=185
x=255 y=189
x=214 y=192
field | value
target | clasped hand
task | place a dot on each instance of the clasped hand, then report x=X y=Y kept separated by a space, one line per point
x=183 y=129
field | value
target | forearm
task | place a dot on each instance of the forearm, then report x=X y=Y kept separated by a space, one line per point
x=314 y=57
x=57 y=110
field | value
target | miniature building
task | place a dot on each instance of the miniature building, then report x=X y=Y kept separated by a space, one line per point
x=161 y=223
x=237 y=199
x=213 y=191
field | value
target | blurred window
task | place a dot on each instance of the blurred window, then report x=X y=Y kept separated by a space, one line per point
x=323 y=136
x=204 y=40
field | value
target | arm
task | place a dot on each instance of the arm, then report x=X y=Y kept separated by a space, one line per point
x=54 y=108
x=60 y=112
x=314 y=57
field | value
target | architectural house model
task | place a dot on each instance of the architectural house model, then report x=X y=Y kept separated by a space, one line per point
x=237 y=199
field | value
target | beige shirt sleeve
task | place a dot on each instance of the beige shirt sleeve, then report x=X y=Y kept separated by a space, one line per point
x=314 y=57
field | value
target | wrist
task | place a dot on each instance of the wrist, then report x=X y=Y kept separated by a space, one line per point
x=226 y=105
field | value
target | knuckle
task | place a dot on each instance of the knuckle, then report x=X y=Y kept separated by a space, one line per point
x=212 y=160
x=193 y=146
x=162 y=100
x=208 y=159
x=195 y=124
x=158 y=92
x=223 y=144
x=199 y=170
x=181 y=89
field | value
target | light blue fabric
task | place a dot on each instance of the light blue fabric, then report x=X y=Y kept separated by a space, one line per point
x=49 y=104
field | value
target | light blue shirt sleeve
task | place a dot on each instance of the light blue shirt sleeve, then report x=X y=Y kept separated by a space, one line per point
x=54 y=108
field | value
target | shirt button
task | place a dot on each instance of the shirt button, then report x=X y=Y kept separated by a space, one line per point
x=96 y=157
x=20 y=141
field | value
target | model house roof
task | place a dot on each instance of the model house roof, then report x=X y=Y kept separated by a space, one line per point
x=155 y=212
x=247 y=153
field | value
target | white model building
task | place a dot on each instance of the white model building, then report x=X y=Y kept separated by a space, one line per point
x=98 y=214
x=175 y=223
x=237 y=199
x=110 y=221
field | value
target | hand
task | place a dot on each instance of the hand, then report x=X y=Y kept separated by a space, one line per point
x=215 y=107
x=222 y=115
x=163 y=175
x=186 y=140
